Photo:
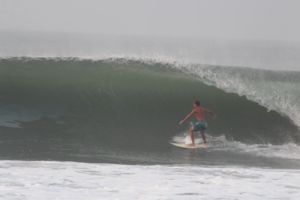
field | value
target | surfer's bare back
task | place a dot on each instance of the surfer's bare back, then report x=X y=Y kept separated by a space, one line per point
x=200 y=125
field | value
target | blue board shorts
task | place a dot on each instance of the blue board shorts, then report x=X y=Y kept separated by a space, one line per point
x=199 y=126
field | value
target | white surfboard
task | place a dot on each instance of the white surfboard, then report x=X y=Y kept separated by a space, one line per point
x=190 y=146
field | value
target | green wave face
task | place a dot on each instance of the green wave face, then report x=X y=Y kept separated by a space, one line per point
x=82 y=104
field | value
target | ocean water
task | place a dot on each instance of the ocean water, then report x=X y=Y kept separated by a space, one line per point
x=92 y=117
x=69 y=180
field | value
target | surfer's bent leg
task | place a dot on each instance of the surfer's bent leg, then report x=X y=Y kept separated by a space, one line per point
x=192 y=135
x=203 y=136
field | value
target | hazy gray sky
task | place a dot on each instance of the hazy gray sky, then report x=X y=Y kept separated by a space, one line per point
x=250 y=19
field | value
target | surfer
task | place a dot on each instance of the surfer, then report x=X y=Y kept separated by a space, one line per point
x=200 y=125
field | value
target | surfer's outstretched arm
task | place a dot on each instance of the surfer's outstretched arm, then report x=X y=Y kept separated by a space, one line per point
x=187 y=117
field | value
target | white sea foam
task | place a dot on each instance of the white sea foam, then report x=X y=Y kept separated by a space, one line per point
x=67 y=180
x=270 y=91
x=286 y=151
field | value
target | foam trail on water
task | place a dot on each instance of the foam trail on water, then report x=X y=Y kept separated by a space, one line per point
x=286 y=151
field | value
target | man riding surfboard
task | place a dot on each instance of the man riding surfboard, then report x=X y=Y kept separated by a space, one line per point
x=200 y=125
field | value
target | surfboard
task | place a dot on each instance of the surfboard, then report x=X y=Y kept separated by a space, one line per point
x=188 y=146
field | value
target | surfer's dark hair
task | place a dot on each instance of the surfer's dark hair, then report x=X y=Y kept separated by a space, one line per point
x=197 y=102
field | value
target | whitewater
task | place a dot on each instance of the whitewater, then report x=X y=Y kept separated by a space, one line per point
x=92 y=117
x=67 y=180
